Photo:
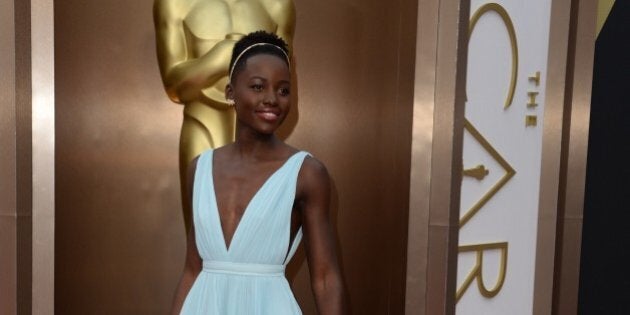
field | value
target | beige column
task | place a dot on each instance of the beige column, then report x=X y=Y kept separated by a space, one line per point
x=549 y=179
x=43 y=136
x=43 y=119
x=575 y=128
x=8 y=214
x=571 y=47
x=436 y=158
x=26 y=158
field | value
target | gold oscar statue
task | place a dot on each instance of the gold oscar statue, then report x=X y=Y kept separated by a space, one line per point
x=194 y=45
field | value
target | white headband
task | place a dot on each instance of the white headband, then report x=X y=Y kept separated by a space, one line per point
x=252 y=46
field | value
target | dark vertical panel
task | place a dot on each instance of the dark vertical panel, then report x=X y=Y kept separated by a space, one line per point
x=604 y=274
x=397 y=161
x=24 y=178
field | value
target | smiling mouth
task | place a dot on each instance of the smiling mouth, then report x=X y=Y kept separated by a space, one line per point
x=267 y=115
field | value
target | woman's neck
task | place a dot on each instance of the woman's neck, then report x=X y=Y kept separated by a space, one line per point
x=253 y=144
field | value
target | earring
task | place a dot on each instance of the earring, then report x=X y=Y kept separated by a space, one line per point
x=230 y=102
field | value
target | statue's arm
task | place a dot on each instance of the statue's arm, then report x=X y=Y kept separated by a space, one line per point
x=184 y=77
x=283 y=13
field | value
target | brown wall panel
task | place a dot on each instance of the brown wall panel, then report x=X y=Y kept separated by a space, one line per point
x=356 y=86
x=120 y=238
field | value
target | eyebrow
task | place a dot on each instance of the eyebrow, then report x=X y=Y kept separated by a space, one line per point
x=264 y=79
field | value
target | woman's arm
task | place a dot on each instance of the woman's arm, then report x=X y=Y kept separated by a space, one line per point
x=314 y=201
x=192 y=266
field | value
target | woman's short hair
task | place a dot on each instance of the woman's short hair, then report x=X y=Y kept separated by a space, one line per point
x=255 y=43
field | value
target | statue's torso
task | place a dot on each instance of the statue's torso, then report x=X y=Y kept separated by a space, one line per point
x=209 y=21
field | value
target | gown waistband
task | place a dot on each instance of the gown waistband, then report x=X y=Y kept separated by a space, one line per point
x=226 y=267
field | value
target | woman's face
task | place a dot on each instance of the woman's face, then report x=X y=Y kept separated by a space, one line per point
x=261 y=92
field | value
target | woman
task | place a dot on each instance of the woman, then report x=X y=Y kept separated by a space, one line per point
x=253 y=200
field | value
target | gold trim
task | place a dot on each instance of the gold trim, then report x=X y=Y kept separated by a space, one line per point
x=507 y=21
x=478 y=172
x=477 y=270
x=509 y=173
x=531 y=121
x=535 y=78
x=532 y=100
x=603 y=10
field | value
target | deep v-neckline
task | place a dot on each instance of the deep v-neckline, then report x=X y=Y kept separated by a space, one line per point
x=227 y=246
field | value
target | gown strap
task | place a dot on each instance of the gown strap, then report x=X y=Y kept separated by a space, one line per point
x=294 y=246
x=300 y=157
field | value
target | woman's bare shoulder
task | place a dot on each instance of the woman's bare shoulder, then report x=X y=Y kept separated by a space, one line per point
x=313 y=175
x=314 y=167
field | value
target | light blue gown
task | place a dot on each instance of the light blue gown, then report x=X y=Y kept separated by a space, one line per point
x=248 y=278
